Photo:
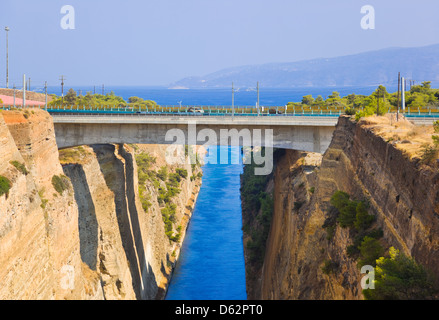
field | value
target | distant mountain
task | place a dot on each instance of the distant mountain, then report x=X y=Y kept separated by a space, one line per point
x=364 y=69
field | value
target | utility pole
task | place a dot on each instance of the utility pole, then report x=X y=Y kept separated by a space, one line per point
x=7 y=57
x=397 y=103
x=257 y=89
x=103 y=89
x=14 y=95
x=28 y=88
x=403 y=94
x=45 y=93
x=62 y=87
x=233 y=102
x=24 y=90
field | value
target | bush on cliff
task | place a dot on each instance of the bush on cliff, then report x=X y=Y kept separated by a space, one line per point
x=60 y=183
x=20 y=167
x=399 y=277
x=370 y=250
x=182 y=172
x=352 y=213
x=5 y=185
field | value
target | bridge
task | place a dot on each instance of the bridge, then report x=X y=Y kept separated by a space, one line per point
x=312 y=134
x=306 y=132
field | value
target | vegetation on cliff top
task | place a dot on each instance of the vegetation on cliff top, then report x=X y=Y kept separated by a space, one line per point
x=97 y=100
x=419 y=97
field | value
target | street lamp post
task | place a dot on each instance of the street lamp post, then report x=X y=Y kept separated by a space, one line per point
x=7 y=58
x=233 y=102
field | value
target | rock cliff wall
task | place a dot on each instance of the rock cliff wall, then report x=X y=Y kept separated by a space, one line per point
x=39 y=237
x=372 y=160
x=91 y=239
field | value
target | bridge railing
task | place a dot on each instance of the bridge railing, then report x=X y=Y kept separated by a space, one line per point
x=239 y=111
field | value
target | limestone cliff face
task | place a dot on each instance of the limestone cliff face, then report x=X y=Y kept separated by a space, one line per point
x=39 y=238
x=403 y=195
x=126 y=246
x=92 y=240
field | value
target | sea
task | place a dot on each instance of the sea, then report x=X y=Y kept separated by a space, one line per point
x=216 y=97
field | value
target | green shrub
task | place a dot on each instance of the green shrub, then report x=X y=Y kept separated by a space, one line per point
x=347 y=214
x=399 y=277
x=174 y=180
x=351 y=213
x=144 y=162
x=144 y=199
x=20 y=167
x=60 y=183
x=350 y=111
x=181 y=172
x=363 y=220
x=162 y=174
x=312 y=189
x=339 y=199
x=5 y=185
x=370 y=250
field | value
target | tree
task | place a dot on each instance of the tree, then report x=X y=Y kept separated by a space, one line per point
x=399 y=277
x=135 y=100
x=334 y=98
x=363 y=219
x=70 y=97
x=308 y=100
x=380 y=92
x=370 y=251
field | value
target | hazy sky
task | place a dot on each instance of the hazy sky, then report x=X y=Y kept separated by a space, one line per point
x=156 y=42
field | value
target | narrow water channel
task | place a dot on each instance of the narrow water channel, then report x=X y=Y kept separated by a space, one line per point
x=211 y=264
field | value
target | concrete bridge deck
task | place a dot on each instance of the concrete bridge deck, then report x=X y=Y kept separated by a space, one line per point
x=307 y=133
x=302 y=133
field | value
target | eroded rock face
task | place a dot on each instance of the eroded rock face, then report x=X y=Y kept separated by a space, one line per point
x=92 y=240
x=403 y=195
x=126 y=246
x=39 y=238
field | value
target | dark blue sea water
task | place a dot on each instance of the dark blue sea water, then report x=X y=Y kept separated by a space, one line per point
x=219 y=97
x=211 y=264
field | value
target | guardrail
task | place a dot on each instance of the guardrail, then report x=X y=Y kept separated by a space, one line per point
x=61 y=111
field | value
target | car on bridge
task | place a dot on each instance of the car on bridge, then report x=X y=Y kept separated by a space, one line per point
x=195 y=110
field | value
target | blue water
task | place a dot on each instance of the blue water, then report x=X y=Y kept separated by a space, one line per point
x=220 y=97
x=211 y=264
